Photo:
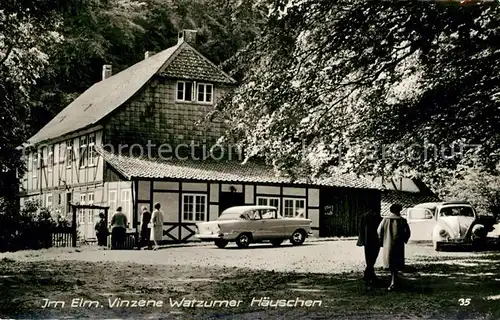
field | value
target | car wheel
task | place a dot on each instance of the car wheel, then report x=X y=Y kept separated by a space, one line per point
x=276 y=243
x=243 y=240
x=220 y=243
x=298 y=237
x=437 y=246
x=478 y=244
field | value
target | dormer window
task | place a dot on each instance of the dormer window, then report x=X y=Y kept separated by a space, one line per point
x=188 y=91
x=185 y=91
x=205 y=93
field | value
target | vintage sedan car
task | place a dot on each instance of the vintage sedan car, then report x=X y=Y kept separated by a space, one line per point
x=253 y=224
x=448 y=223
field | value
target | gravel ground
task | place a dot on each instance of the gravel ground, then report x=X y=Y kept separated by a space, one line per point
x=312 y=257
x=432 y=288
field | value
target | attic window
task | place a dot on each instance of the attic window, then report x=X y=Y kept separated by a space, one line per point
x=185 y=91
x=205 y=92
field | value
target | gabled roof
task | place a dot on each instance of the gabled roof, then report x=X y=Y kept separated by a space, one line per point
x=190 y=65
x=402 y=184
x=224 y=171
x=105 y=96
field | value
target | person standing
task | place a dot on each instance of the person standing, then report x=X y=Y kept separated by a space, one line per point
x=394 y=233
x=118 y=229
x=146 y=228
x=157 y=221
x=368 y=238
x=101 y=230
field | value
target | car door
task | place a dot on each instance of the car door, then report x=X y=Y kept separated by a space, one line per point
x=273 y=226
x=256 y=225
x=421 y=222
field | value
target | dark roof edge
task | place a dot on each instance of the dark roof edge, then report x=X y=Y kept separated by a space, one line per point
x=89 y=129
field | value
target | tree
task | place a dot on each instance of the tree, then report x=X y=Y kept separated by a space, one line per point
x=371 y=87
x=477 y=186
x=26 y=29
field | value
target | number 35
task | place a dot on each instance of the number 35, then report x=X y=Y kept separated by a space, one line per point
x=464 y=302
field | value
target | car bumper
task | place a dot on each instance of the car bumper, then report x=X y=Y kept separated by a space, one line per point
x=466 y=241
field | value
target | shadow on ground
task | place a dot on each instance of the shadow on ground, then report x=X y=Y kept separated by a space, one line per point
x=437 y=288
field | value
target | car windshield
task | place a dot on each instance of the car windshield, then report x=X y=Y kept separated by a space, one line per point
x=232 y=216
x=457 y=211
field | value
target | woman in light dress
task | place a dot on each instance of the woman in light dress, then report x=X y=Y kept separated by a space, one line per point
x=157 y=222
x=394 y=233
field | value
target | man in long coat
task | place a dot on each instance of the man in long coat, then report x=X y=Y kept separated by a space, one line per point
x=394 y=233
x=368 y=238
x=145 y=228
x=118 y=229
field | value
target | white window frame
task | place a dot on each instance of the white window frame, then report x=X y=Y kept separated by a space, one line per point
x=83 y=151
x=90 y=201
x=112 y=202
x=39 y=159
x=43 y=155
x=194 y=195
x=126 y=202
x=34 y=169
x=69 y=153
x=62 y=154
x=205 y=85
x=50 y=157
x=91 y=150
x=294 y=207
x=48 y=201
x=193 y=91
x=267 y=201
x=81 y=216
x=56 y=154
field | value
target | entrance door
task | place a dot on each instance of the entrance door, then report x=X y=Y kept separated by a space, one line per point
x=91 y=218
x=86 y=217
x=230 y=199
x=341 y=210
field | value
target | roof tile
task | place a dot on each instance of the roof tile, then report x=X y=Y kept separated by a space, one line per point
x=105 y=96
x=211 y=170
x=406 y=199
x=190 y=65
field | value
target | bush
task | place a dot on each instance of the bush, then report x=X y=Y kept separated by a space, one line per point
x=28 y=228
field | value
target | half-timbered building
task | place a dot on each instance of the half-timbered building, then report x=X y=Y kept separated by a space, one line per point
x=104 y=149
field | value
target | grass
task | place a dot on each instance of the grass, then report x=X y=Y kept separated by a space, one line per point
x=432 y=289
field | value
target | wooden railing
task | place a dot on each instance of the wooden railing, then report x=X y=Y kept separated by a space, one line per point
x=62 y=237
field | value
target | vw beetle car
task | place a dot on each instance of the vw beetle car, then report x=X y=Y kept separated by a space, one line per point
x=252 y=224
x=448 y=223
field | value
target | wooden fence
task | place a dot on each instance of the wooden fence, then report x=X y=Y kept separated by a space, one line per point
x=62 y=237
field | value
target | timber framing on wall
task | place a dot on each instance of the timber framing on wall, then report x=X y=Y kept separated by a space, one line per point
x=178 y=230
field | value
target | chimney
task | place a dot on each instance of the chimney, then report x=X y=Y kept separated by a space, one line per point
x=188 y=36
x=106 y=71
x=148 y=54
